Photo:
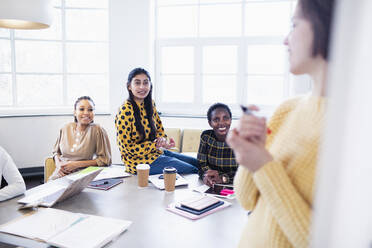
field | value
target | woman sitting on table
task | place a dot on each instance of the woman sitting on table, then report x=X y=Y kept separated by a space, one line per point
x=81 y=143
x=215 y=158
x=140 y=133
x=276 y=176
x=9 y=171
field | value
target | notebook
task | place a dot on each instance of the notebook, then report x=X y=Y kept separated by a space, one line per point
x=175 y=208
x=199 y=203
x=66 y=229
x=105 y=184
x=202 y=211
x=54 y=191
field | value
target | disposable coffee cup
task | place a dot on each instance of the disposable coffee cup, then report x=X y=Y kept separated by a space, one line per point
x=143 y=175
x=169 y=174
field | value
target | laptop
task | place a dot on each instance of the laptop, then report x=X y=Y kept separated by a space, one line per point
x=50 y=193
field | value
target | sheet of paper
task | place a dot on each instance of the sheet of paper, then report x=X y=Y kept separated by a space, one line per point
x=94 y=231
x=43 y=224
x=82 y=173
x=159 y=183
x=113 y=171
x=201 y=188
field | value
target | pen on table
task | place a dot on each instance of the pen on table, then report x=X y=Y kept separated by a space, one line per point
x=247 y=111
x=101 y=184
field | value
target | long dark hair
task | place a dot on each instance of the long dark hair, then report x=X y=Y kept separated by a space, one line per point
x=147 y=102
x=320 y=15
x=80 y=99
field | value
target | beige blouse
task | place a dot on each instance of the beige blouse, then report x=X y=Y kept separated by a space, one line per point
x=91 y=144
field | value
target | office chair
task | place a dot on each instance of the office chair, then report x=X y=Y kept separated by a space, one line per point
x=49 y=168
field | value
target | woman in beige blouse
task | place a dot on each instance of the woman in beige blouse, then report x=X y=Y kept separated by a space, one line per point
x=81 y=143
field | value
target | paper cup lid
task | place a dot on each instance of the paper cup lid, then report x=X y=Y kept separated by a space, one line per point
x=169 y=170
x=143 y=167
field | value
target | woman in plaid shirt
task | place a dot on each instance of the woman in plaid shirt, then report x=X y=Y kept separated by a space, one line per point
x=216 y=159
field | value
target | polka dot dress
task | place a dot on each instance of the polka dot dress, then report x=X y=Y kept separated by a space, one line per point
x=134 y=152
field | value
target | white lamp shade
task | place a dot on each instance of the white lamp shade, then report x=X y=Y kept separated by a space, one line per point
x=26 y=14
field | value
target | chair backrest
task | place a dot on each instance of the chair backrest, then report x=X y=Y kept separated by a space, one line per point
x=191 y=140
x=49 y=168
x=174 y=133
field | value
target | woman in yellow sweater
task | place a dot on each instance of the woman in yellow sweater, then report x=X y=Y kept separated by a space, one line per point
x=276 y=177
x=140 y=133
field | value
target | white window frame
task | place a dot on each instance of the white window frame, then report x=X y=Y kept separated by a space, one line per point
x=197 y=108
x=65 y=109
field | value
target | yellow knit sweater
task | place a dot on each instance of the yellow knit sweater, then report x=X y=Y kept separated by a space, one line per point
x=280 y=194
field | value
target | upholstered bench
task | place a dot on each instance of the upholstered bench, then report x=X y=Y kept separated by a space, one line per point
x=187 y=141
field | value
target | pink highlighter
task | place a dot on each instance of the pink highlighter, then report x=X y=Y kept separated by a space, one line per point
x=226 y=192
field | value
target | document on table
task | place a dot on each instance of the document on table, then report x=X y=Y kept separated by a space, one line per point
x=159 y=182
x=113 y=171
x=66 y=229
x=94 y=231
x=42 y=224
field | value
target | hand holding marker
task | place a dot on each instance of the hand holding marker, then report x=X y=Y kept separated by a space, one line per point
x=247 y=111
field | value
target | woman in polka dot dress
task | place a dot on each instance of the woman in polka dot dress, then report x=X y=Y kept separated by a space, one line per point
x=81 y=143
x=140 y=133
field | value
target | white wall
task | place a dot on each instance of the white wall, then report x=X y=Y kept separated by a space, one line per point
x=29 y=140
x=343 y=209
x=129 y=44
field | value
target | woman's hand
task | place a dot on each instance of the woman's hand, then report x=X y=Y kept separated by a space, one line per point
x=171 y=143
x=69 y=167
x=61 y=174
x=59 y=163
x=252 y=127
x=211 y=177
x=161 y=142
x=248 y=142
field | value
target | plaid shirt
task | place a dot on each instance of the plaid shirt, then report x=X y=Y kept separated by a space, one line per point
x=216 y=155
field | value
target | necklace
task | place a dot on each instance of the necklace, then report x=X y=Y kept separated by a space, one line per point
x=77 y=139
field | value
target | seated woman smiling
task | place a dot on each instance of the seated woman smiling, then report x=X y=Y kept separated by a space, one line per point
x=216 y=159
x=140 y=133
x=81 y=143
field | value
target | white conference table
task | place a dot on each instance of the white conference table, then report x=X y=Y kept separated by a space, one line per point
x=153 y=226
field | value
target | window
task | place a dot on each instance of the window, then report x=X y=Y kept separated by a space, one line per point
x=229 y=51
x=44 y=71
